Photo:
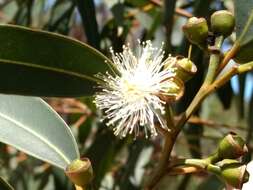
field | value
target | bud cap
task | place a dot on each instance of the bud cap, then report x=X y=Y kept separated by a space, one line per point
x=222 y=22
x=186 y=69
x=232 y=146
x=80 y=172
x=196 y=30
x=235 y=174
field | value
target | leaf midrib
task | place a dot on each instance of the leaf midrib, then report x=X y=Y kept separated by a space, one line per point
x=72 y=73
x=50 y=145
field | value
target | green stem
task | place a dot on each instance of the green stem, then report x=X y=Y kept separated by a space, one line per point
x=209 y=85
x=210 y=76
x=214 y=169
x=245 y=67
x=213 y=158
x=200 y=163
x=214 y=61
x=170 y=139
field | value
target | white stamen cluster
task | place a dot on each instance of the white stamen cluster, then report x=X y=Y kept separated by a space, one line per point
x=130 y=98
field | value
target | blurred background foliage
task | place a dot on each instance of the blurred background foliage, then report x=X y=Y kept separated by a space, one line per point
x=125 y=163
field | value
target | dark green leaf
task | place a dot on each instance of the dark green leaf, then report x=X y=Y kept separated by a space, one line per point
x=193 y=135
x=212 y=182
x=243 y=9
x=118 y=13
x=60 y=16
x=87 y=11
x=139 y=3
x=39 y=63
x=225 y=94
x=242 y=83
x=102 y=152
x=61 y=182
x=248 y=156
x=127 y=173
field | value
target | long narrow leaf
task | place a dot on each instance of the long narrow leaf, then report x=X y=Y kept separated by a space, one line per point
x=32 y=126
x=38 y=63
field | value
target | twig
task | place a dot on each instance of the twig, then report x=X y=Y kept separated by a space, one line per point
x=199 y=121
x=184 y=170
x=178 y=11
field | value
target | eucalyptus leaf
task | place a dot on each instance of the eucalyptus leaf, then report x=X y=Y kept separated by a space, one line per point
x=243 y=10
x=88 y=15
x=32 y=126
x=39 y=63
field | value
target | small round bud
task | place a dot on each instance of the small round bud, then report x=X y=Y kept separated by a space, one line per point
x=196 y=30
x=234 y=173
x=222 y=22
x=232 y=146
x=185 y=68
x=80 y=172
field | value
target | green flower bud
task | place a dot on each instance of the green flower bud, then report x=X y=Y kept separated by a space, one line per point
x=80 y=172
x=231 y=146
x=196 y=30
x=234 y=173
x=222 y=23
x=185 y=68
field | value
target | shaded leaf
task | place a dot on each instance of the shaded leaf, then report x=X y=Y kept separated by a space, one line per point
x=243 y=9
x=118 y=13
x=31 y=126
x=60 y=180
x=39 y=63
x=60 y=16
x=225 y=94
x=111 y=28
x=242 y=83
x=193 y=135
x=87 y=11
x=212 y=182
x=102 y=152
x=249 y=136
x=126 y=176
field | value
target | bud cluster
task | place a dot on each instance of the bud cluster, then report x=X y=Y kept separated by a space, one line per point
x=222 y=23
x=230 y=148
x=224 y=161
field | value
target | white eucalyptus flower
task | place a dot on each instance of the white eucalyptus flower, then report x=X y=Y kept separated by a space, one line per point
x=133 y=97
x=249 y=185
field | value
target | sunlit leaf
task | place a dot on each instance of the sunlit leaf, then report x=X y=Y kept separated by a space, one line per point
x=32 y=126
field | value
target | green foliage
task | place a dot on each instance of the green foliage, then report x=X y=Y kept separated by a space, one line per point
x=53 y=65
x=40 y=63
x=243 y=10
x=23 y=125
